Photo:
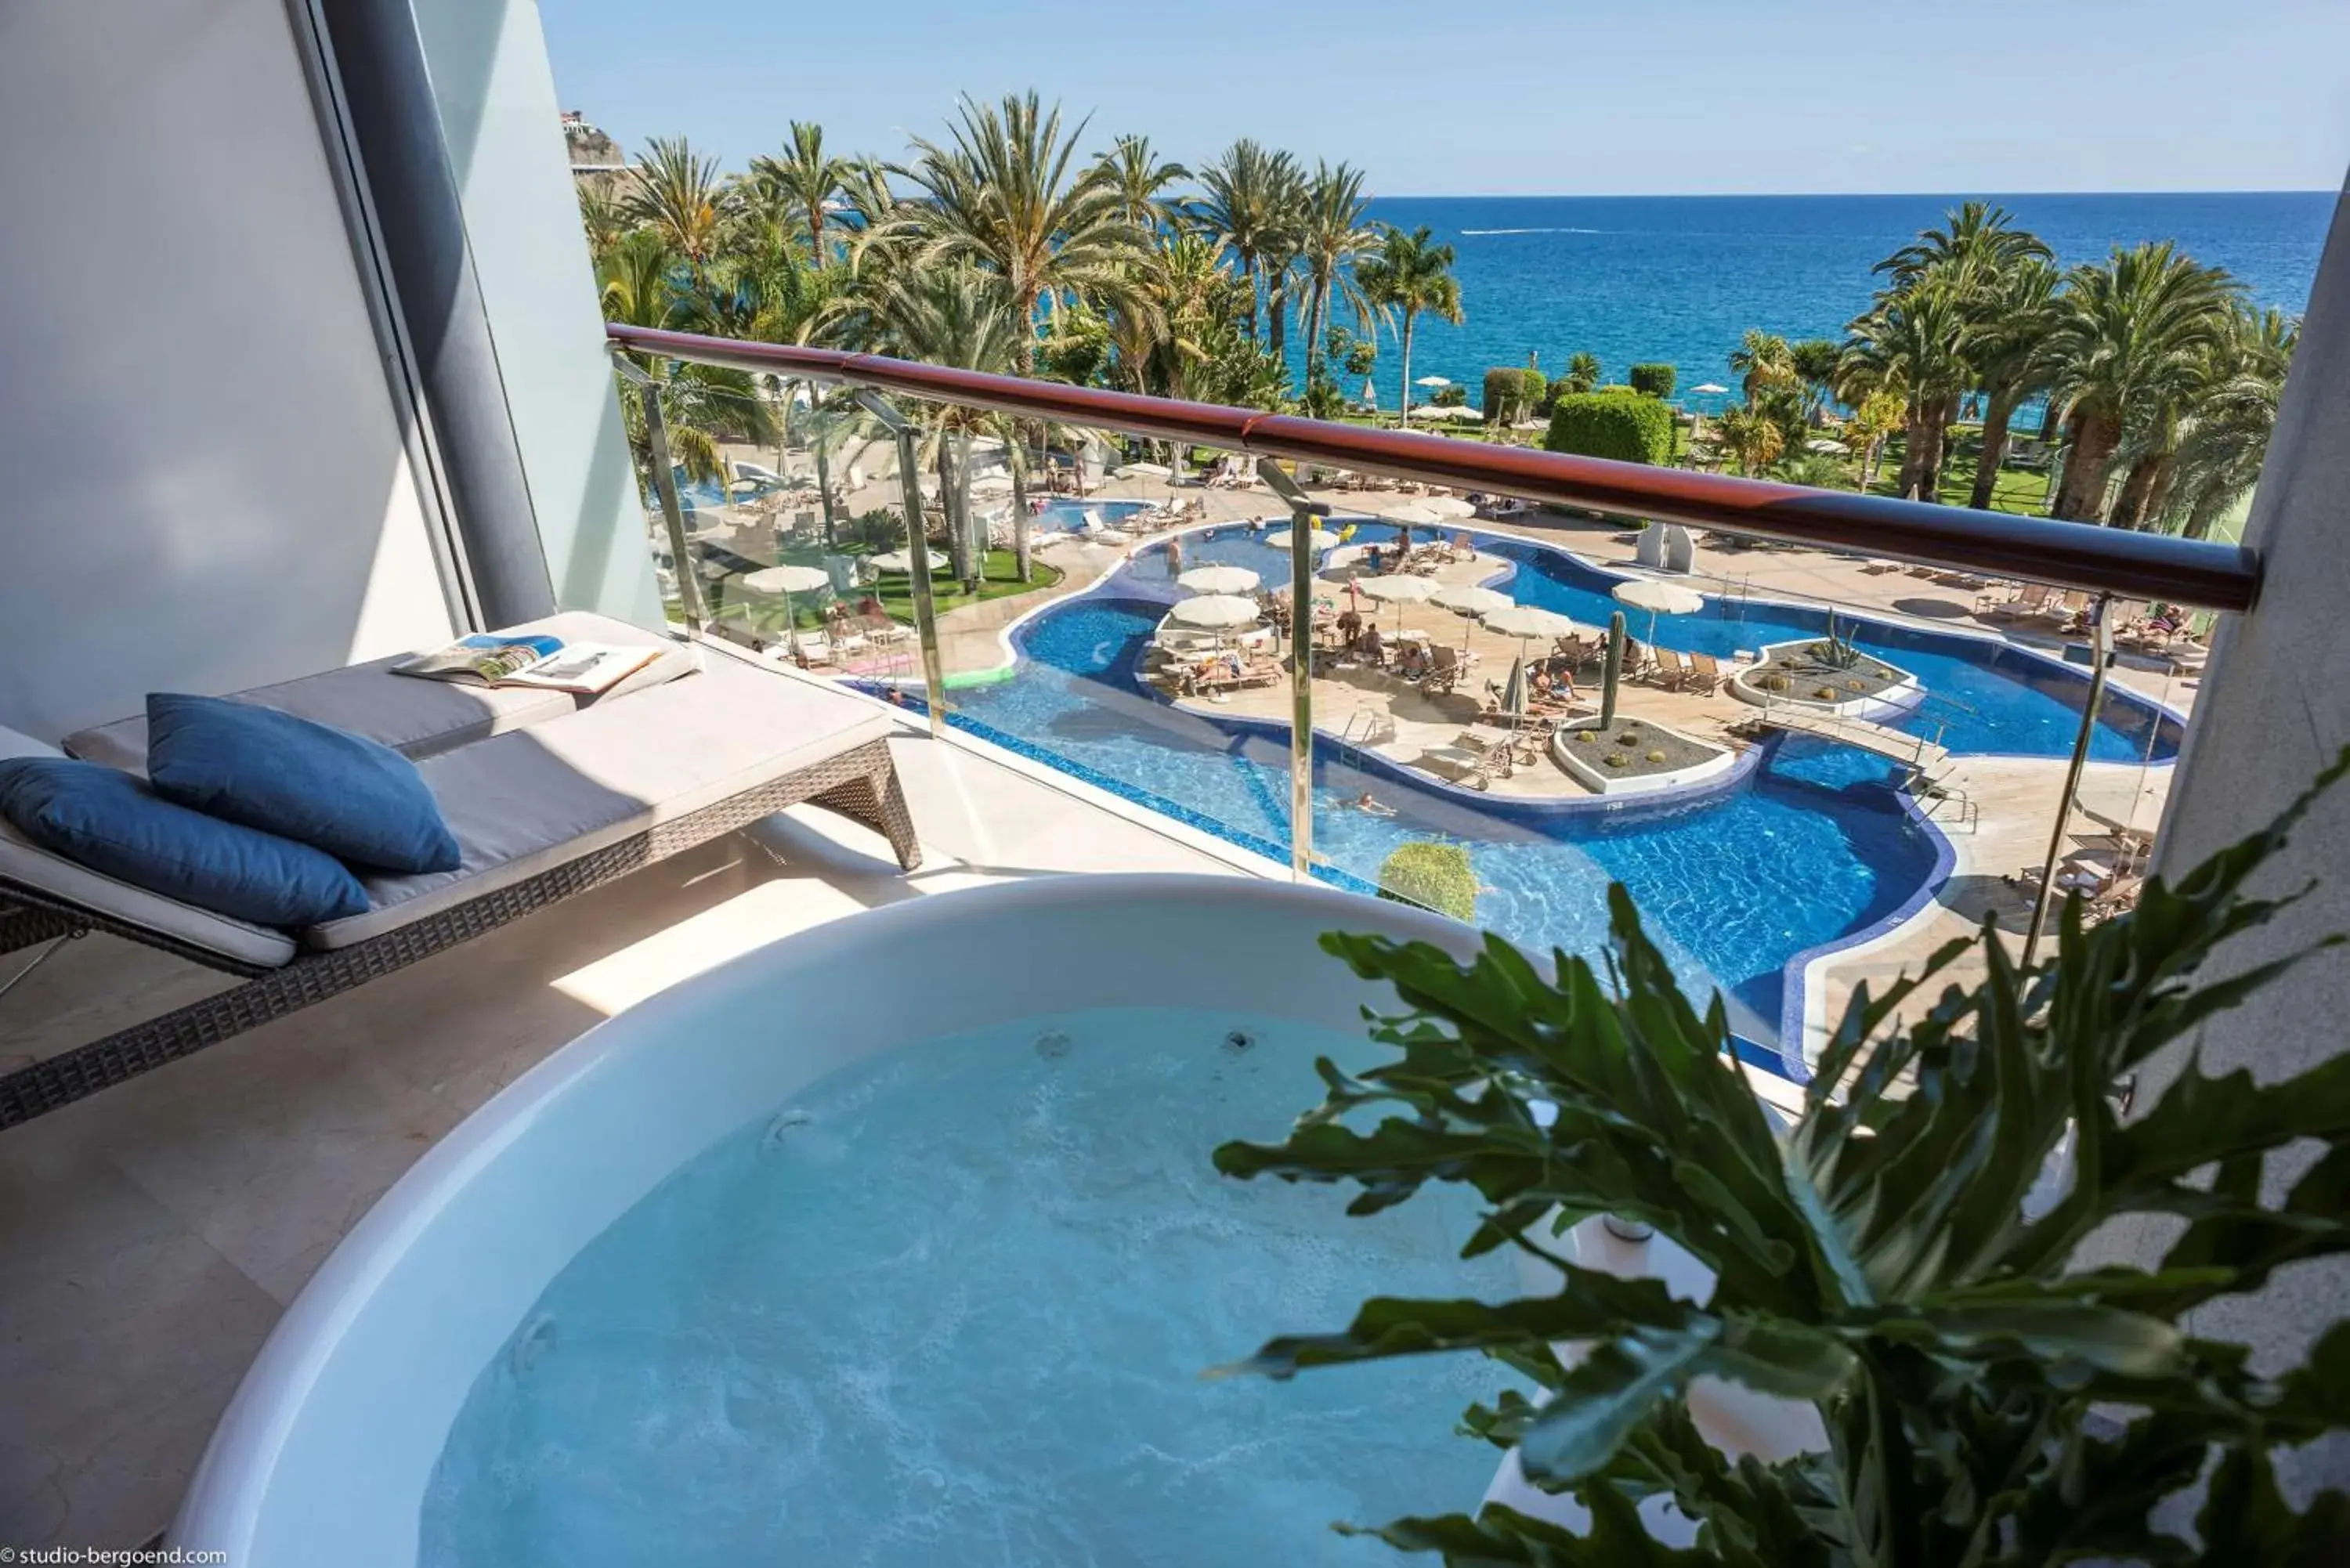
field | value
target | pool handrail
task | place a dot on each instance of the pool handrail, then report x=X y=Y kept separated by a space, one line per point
x=2205 y=573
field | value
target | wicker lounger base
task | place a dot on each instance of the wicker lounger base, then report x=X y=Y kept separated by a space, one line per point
x=860 y=784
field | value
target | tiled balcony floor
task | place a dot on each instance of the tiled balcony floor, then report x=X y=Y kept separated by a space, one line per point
x=149 y=1236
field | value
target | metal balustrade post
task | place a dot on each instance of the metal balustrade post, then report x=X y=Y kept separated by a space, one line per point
x=2101 y=651
x=1304 y=515
x=917 y=557
x=689 y=571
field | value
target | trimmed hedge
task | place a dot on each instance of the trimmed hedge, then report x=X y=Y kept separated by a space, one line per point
x=1433 y=874
x=1626 y=426
x=1504 y=387
x=1655 y=380
x=1534 y=386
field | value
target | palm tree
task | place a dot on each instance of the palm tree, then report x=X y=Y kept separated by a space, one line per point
x=1910 y=341
x=802 y=180
x=1006 y=195
x=1135 y=168
x=1978 y=241
x=1875 y=416
x=1814 y=361
x=2004 y=343
x=1410 y=275
x=1333 y=233
x=2131 y=342
x=1285 y=250
x=634 y=280
x=1763 y=363
x=1244 y=189
x=2227 y=438
x=1583 y=372
x=1750 y=438
x=604 y=220
x=676 y=194
x=961 y=317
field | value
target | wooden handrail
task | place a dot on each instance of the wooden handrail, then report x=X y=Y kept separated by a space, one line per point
x=2131 y=564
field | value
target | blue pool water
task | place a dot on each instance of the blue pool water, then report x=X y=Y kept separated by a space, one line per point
x=1812 y=846
x=950 y=1305
x=1816 y=847
x=1985 y=696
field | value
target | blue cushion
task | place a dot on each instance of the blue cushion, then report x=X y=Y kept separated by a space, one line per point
x=352 y=798
x=109 y=821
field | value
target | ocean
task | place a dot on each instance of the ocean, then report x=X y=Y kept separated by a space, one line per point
x=1681 y=278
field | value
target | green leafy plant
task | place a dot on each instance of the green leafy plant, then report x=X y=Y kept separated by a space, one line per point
x=1506 y=390
x=1652 y=379
x=1616 y=424
x=1877 y=1260
x=1433 y=874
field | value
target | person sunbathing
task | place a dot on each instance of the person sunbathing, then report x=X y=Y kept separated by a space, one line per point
x=1372 y=648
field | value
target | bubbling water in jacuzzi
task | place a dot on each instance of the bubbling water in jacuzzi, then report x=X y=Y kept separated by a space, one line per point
x=952 y=1304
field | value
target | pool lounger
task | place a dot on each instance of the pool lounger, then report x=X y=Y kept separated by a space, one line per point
x=546 y=794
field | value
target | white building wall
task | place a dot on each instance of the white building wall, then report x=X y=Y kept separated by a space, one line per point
x=502 y=122
x=204 y=484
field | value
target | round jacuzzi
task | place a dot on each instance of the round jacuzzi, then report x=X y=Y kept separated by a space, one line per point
x=897 y=1241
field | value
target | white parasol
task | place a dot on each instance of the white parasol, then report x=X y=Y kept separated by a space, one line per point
x=1217 y=580
x=1433 y=381
x=1399 y=591
x=1658 y=598
x=1145 y=471
x=1472 y=601
x=903 y=561
x=1448 y=506
x=1527 y=621
x=1415 y=512
x=1216 y=610
x=1321 y=539
x=787 y=581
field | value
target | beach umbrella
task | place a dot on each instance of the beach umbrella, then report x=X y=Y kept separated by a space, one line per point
x=1217 y=580
x=1526 y=621
x=1658 y=598
x=1431 y=411
x=1513 y=691
x=1215 y=611
x=1370 y=394
x=1472 y=602
x=1399 y=591
x=901 y=561
x=1413 y=513
x=1145 y=471
x=1320 y=539
x=1448 y=506
x=787 y=581
x=1710 y=389
x=1471 y=599
x=1433 y=381
x=1344 y=556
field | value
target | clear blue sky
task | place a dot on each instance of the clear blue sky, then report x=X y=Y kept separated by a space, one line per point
x=1534 y=97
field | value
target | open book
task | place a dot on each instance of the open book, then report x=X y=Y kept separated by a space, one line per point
x=482 y=659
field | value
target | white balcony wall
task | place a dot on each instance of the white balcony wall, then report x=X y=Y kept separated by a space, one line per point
x=204 y=483
x=500 y=118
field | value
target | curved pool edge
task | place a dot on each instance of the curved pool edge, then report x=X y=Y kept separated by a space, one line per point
x=228 y=1503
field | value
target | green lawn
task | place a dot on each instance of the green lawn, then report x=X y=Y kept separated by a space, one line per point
x=895 y=591
x=2015 y=489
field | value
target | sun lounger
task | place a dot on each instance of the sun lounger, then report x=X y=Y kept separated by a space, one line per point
x=1669 y=672
x=545 y=796
x=1704 y=673
x=1459 y=764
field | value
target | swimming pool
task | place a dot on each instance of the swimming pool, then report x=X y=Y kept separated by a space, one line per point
x=1062 y=515
x=1985 y=695
x=1809 y=844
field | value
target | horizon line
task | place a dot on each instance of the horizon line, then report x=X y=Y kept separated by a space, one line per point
x=1976 y=192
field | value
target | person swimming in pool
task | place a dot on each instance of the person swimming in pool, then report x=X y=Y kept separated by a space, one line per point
x=1370 y=804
